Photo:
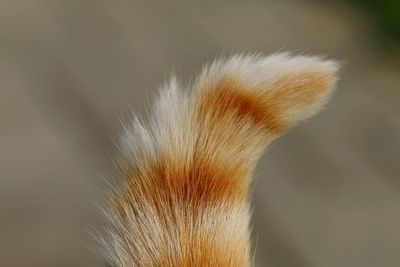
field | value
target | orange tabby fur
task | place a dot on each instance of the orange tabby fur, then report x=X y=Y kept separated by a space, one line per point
x=185 y=200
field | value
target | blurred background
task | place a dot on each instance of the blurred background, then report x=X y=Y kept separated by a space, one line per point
x=327 y=194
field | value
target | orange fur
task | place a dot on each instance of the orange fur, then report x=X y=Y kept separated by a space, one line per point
x=184 y=202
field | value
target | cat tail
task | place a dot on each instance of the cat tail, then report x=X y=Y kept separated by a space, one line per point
x=188 y=169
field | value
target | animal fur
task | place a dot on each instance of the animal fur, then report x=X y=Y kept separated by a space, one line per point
x=188 y=170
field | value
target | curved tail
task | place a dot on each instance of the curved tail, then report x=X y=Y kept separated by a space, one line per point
x=188 y=170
